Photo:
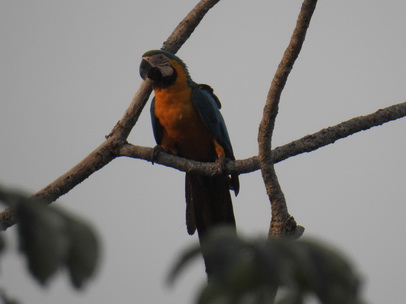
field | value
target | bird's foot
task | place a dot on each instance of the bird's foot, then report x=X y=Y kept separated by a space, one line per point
x=234 y=183
x=155 y=153
x=222 y=163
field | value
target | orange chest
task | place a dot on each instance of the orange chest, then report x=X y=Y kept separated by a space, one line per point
x=184 y=132
x=175 y=110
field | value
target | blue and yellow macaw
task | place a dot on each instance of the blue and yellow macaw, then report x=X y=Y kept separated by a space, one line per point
x=187 y=122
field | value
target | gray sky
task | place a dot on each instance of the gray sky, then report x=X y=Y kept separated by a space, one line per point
x=70 y=68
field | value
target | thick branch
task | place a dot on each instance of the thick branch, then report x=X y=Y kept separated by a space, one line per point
x=282 y=223
x=103 y=154
x=305 y=144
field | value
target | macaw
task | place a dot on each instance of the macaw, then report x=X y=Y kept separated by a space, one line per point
x=187 y=122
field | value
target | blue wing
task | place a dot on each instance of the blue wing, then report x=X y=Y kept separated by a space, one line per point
x=208 y=105
x=156 y=126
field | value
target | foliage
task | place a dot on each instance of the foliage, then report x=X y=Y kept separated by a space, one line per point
x=252 y=271
x=51 y=238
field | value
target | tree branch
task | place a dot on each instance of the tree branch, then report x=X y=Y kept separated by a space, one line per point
x=105 y=153
x=186 y=27
x=282 y=224
x=305 y=144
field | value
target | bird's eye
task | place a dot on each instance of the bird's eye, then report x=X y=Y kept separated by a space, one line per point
x=160 y=58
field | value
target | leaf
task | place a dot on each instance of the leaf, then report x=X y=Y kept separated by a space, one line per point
x=186 y=257
x=330 y=275
x=83 y=254
x=51 y=239
x=42 y=237
x=244 y=271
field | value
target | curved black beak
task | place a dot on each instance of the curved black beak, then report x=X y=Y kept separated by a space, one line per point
x=145 y=68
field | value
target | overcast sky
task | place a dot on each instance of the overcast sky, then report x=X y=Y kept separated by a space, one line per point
x=70 y=68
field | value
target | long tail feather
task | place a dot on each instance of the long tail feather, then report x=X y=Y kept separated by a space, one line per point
x=208 y=203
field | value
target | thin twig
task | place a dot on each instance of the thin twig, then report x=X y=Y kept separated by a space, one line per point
x=282 y=224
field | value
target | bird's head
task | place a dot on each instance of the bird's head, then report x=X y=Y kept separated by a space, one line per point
x=162 y=67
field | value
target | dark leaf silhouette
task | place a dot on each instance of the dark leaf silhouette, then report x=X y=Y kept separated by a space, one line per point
x=52 y=238
x=251 y=271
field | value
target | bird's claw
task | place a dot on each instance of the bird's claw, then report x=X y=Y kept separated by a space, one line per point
x=222 y=163
x=234 y=183
x=155 y=153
